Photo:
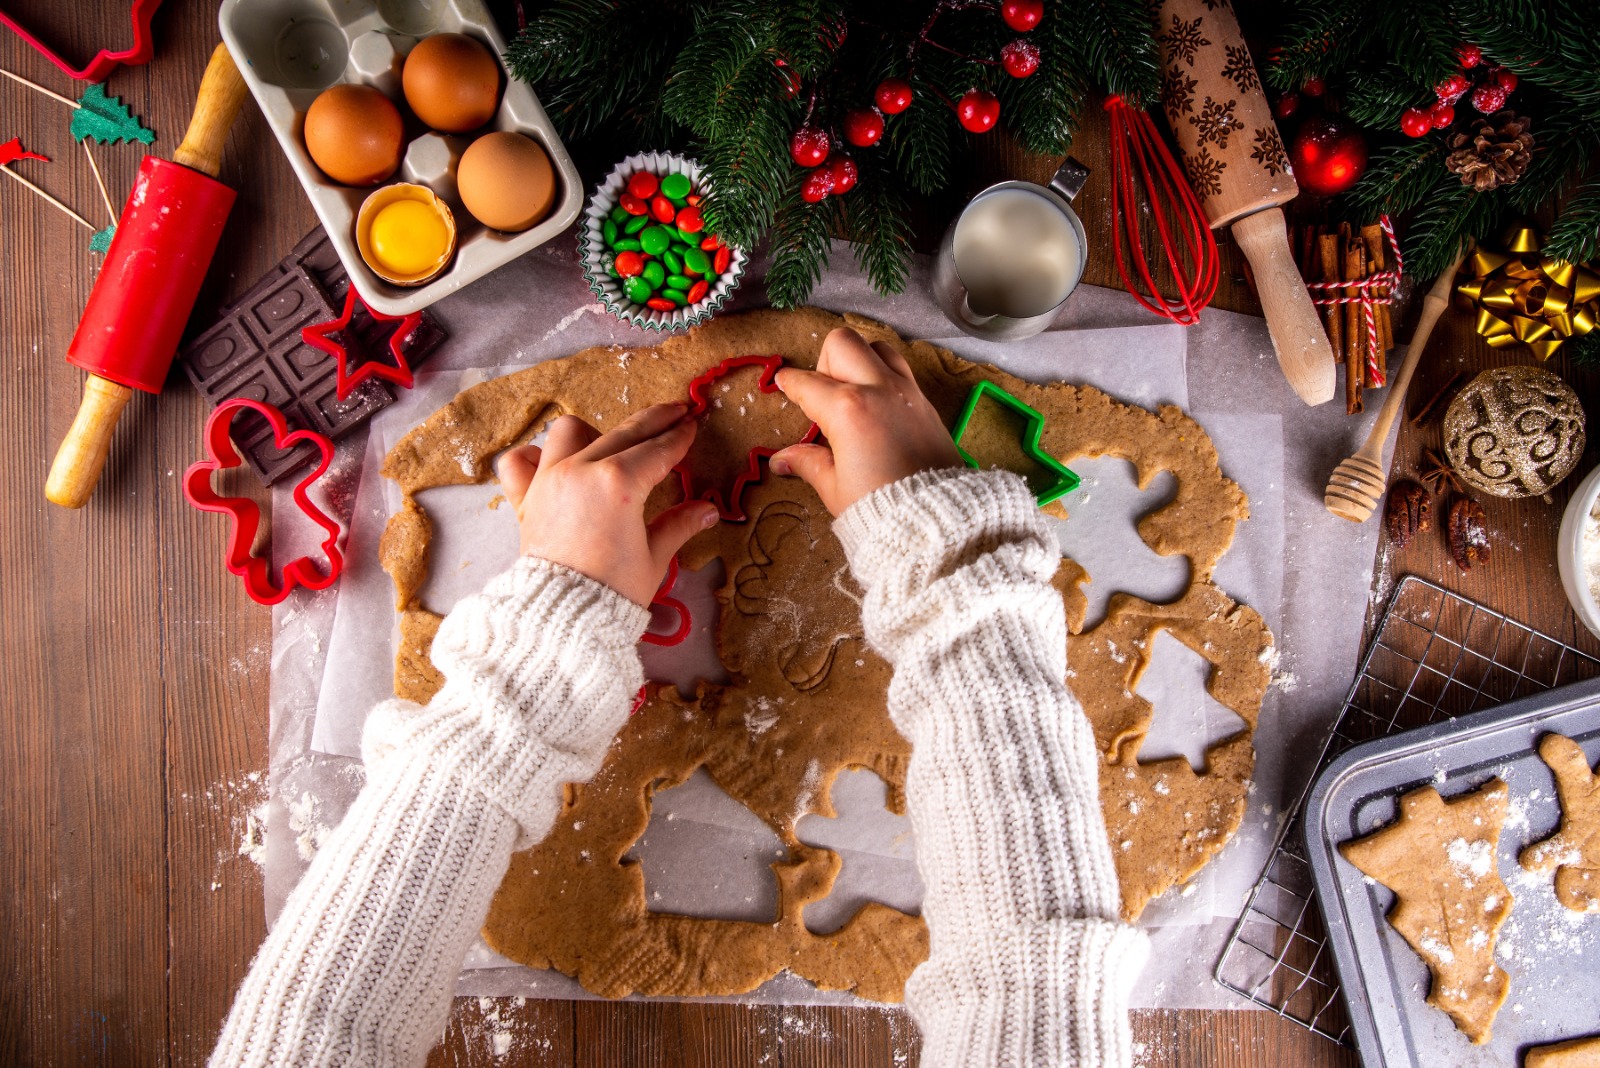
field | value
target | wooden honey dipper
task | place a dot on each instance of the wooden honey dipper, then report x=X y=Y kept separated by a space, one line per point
x=1358 y=483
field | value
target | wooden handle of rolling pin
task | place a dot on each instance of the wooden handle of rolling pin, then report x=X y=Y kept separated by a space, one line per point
x=1298 y=337
x=222 y=91
x=78 y=462
x=82 y=455
x=1433 y=306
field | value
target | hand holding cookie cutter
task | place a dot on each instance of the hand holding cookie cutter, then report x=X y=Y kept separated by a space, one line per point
x=731 y=507
x=256 y=571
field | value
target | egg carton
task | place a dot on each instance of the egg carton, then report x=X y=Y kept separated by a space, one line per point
x=291 y=50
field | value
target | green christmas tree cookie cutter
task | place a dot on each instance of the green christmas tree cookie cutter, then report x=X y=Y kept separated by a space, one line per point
x=1062 y=480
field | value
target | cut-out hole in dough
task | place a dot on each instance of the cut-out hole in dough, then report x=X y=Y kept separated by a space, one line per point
x=1186 y=720
x=877 y=854
x=695 y=658
x=706 y=855
x=1102 y=535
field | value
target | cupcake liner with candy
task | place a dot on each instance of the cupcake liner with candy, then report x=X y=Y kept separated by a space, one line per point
x=612 y=219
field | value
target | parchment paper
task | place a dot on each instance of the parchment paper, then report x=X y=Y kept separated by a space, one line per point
x=1305 y=571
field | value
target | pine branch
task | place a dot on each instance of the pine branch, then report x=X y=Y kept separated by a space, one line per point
x=1379 y=96
x=1397 y=179
x=1451 y=213
x=1575 y=237
x=1584 y=351
x=876 y=221
x=1111 y=41
x=920 y=138
x=1562 y=144
x=1321 y=38
x=1553 y=43
x=1416 y=36
x=801 y=234
x=1042 y=111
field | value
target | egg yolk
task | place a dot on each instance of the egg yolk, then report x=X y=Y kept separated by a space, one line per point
x=409 y=237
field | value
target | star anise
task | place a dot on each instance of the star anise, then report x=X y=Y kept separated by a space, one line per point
x=1468 y=533
x=1438 y=475
x=1408 y=513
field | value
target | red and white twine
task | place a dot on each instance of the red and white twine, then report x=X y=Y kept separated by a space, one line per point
x=1376 y=288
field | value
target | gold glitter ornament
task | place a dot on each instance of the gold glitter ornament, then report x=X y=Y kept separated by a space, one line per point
x=1514 y=431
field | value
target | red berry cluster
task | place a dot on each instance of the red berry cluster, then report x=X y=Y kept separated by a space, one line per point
x=831 y=172
x=1489 y=86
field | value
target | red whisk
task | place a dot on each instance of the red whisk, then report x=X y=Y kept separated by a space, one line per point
x=1137 y=150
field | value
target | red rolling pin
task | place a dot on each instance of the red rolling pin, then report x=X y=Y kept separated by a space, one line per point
x=137 y=310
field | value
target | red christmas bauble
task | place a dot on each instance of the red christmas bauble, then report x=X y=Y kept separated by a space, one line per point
x=1022 y=15
x=843 y=170
x=1416 y=122
x=809 y=146
x=1489 y=98
x=1452 y=88
x=978 y=110
x=863 y=127
x=893 y=95
x=1329 y=153
x=1441 y=115
x=1468 y=55
x=789 y=79
x=1020 y=58
x=817 y=185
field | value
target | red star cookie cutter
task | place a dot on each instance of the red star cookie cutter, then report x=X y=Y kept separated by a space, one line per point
x=731 y=506
x=317 y=336
x=106 y=60
x=246 y=514
x=664 y=599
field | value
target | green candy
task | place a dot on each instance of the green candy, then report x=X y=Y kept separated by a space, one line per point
x=673 y=261
x=677 y=296
x=608 y=230
x=678 y=281
x=655 y=240
x=674 y=186
x=618 y=214
x=635 y=223
x=654 y=273
x=679 y=202
x=626 y=244
x=695 y=261
x=637 y=288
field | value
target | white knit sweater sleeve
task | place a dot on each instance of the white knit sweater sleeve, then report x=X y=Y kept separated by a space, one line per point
x=540 y=670
x=1029 y=963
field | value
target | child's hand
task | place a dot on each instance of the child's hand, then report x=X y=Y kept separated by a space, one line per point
x=581 y=501
x=879 y=426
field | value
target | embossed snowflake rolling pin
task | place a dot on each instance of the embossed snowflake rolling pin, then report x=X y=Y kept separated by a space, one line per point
x=1236 y=161
x=1358 y=483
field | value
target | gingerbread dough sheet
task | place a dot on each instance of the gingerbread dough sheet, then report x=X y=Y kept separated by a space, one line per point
x=789 y=636
x=331 y=664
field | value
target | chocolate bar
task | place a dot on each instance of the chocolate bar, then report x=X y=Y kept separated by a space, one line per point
x=255 y=350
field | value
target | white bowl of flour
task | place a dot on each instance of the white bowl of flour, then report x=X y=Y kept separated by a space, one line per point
x=1578 y=551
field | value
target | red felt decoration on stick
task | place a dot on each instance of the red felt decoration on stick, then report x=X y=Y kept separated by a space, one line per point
x=12 y=150
x=1139 y=154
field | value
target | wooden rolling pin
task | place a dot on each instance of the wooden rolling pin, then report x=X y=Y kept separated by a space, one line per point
x=136 y=312
x=1240 y=170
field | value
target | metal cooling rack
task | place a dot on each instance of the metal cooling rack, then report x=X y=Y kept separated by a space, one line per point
x=1436 y=655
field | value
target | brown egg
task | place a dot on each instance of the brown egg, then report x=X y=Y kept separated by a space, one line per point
x=452 y=82
x=354 y=134
x=506 y=181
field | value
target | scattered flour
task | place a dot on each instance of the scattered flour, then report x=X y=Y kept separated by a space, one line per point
x=1591 y=552
x=306 y=825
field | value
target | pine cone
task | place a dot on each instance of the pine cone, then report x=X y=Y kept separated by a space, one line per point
x=1497 y=152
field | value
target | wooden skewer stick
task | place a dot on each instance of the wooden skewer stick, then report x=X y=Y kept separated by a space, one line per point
x=99 y=181
x=79 y=218
x=1358 y=483
x=36 y=86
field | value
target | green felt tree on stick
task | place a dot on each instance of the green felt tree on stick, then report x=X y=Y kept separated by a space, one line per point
x=770 y=96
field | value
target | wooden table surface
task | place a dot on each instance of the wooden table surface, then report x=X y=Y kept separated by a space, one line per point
x=136 y=671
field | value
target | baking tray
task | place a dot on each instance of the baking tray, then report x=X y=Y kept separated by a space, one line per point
x=1551 y=953
x=290 y=50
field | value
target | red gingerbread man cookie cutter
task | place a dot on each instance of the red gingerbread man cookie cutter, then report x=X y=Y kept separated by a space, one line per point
x=731 y=506
x=256 y=571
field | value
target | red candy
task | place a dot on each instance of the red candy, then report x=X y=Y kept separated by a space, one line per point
x=720 y=261
x=690 y=221
x=663 y=209
x=660 y=304
x=643 y=185
x=711 y=243
x=629 y=264
x=698 y=291
x=632 y=204
x=693 y=200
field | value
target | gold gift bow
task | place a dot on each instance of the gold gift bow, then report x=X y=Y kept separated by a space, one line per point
x=1525 y=297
